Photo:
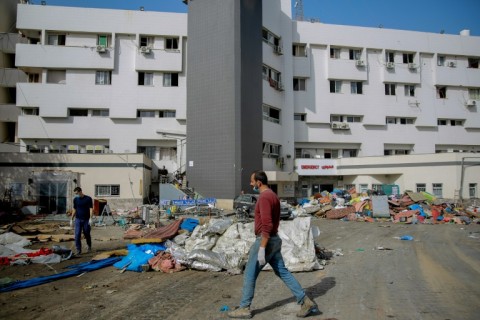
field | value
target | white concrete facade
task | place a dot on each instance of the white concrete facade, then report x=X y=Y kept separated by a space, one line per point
x=394 y=92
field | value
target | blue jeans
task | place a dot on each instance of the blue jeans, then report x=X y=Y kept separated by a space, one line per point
x=273 y=256
x=82 y=225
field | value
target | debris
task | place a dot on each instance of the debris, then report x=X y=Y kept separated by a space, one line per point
x=383 y=248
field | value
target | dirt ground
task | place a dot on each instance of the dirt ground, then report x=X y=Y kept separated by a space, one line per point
x=435 y=276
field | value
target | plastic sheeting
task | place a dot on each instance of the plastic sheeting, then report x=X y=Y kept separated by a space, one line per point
x=76 y=270
x=138 y=255
x=207 y=251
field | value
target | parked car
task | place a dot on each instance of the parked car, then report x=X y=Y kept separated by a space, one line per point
x=248 y=201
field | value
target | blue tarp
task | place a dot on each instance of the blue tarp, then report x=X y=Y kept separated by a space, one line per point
x=77 y=269
x=189 y=224
x=138 y=255
x=419 y=208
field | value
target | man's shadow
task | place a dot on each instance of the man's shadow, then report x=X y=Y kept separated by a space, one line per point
x=315 y=291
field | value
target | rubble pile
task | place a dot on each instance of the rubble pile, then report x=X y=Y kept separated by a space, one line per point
x=411 y=208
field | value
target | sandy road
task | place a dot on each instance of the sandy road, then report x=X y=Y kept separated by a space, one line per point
x=435 y=276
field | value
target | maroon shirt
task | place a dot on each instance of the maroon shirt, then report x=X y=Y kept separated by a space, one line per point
x=267 y=214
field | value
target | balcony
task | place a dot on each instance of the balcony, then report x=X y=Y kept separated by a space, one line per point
x=301 y=67
x=10 y=76
x=9 y=41
x=456 y=76
x=401 y=73
x=346 y=69
x=159 y=60
x=63 y=57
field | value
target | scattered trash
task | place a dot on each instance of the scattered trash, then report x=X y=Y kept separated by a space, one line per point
x=360 y=250
x=111 y=291
x=224 y=308
x=383 y=248
x=406 y=237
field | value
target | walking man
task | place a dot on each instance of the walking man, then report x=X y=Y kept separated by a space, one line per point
x=267 y=249
x=82 y=213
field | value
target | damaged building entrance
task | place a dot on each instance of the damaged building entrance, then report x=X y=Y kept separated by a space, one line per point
x=53 y=190
x=317 y=188
x=52 y=197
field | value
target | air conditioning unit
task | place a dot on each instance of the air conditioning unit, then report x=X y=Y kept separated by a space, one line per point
x=278 y=50
x=471 y=103
x=336 y=125
x=390 y=65
x=360 y=63
x=452 y=64
x=345 y=126
x=101 y=48
x=144 y=49
x=412 y=66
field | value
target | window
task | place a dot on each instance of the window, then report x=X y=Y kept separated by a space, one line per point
x=377 y=187
x=100 y=112
x=56 y=39
x=363 y=187
x=355 y=54
x=271 y=150
x=390 y=89
x=105 y=190
x=299 y=50
x=472 y=190
x=393 y=120
x=33 y=149
x=349 y=187
x=473 y=62
x=299 y=116
x=298 y=84
x=78 y=112
x=437 y=189
x=170 y=79
x=440 y=61
x=421 y=187
x=102 y=40
x=167 y=113
x=330 y=154
x=271 y=114
x=145 y=114
x=474 y=93
x=356 y=87
x=103 y=77
x=441 y=92
x=335 y=86
x=146 y=41
x=148 y=151
x=352 y=119
x=145 y=79
x=442 y=122
x=171 y=43
x=335 y=53
x=270 y=74
x=408 y=57
x=33 y=77
x=270 y=38
x=30 y=111
x=456 y=123
x=391 y=152
x=349 y=153
x=409 y=90
x=390 y=56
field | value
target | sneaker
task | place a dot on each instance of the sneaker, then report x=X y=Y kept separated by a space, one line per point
x=240 y=313
x=89 y=249
x=307 y=307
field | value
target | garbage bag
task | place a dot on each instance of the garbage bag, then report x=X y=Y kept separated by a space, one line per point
x=211 y=258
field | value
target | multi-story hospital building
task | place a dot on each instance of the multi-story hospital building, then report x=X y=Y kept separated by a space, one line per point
x=342 y=106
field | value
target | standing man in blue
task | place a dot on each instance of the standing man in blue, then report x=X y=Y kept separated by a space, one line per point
x=267 y=249
x=82 y=213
